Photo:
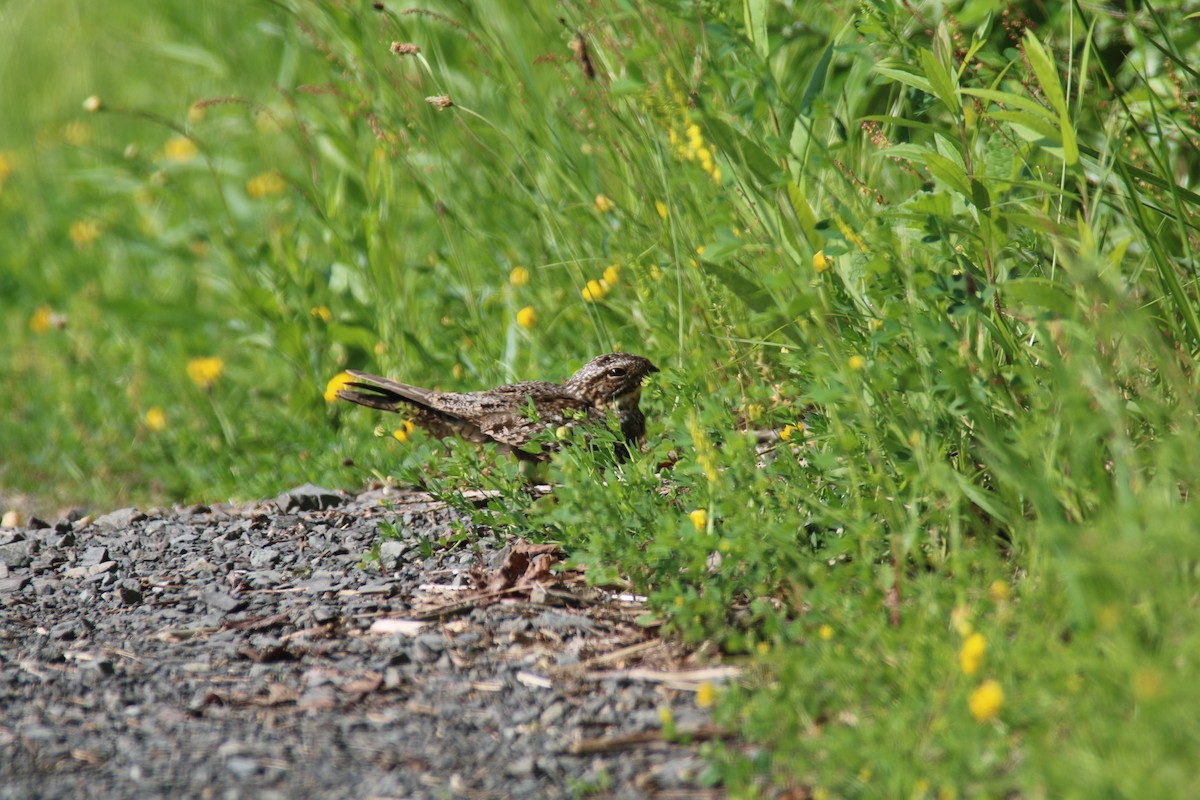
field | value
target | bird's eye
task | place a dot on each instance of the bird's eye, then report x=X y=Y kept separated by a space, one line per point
x=616 y=372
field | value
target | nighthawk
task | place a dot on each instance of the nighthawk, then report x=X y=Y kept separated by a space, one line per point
x=608 y=383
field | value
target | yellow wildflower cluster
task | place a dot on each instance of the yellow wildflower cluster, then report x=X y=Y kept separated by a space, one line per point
x=692 y=147
x=527 y=317
x=699 y=519
x=204 y=371
x=598 y=288
x=821 y=262
x=267 y=183
x=790 y=430
x=985 y=700
x=322 y=313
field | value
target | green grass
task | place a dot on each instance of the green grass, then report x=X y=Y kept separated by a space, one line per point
x=970 y=283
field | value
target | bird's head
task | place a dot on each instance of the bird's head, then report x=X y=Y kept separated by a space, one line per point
x=614 y=379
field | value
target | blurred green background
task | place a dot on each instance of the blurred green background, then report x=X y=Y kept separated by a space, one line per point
x=922 y=280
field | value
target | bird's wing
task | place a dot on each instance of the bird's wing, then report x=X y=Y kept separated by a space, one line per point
x=510 y=423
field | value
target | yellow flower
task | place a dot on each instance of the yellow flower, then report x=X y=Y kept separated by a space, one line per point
x=264 y=184
x=519 y=276
x=612 y=274
x=336 y=384
x=706 y=694
x=595 y=290
x=999 y=591
x=527 y=317
x=457 y=371
x=401 y=433
x=790 y=430
x=6 y=167
x=42 y=319
x=84 y=231
x=699 y=518
x=856 y=363
x=763 y=648
x=603 y=204
x=661 y=208
x=821 y=262
x=205 y=371
x=970 y=656
x=322 y=313
x=825 y=632
x=986 y=701
x=156 y=418
x=179 y=148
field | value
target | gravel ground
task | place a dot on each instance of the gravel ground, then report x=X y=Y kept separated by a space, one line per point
x=246 y=651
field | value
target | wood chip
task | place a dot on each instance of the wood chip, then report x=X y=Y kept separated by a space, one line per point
x=405 y=627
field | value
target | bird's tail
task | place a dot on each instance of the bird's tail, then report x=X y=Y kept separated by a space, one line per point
x=383 y=393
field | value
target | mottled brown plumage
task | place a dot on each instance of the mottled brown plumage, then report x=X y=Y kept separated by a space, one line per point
x=611 y=382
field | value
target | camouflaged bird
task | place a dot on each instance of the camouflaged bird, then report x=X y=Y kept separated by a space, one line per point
x=611 y=382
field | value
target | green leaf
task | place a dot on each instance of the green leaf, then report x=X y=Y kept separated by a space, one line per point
x=943 y=86
x=756 y=24
x=908 y=78
x=754 y=157
x=1047 y=75
x=1011 y=100
x=817 y=82
x=1040 y=294
x=747 y=290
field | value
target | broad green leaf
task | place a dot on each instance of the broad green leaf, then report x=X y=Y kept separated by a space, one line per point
x=943 y=85
x=1031 y=128
x=817 y=82
x=1011 y=100
x=907 y=78
x=1047 y=75
x=731 y=142
x=948 y=173
x=756 y=24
